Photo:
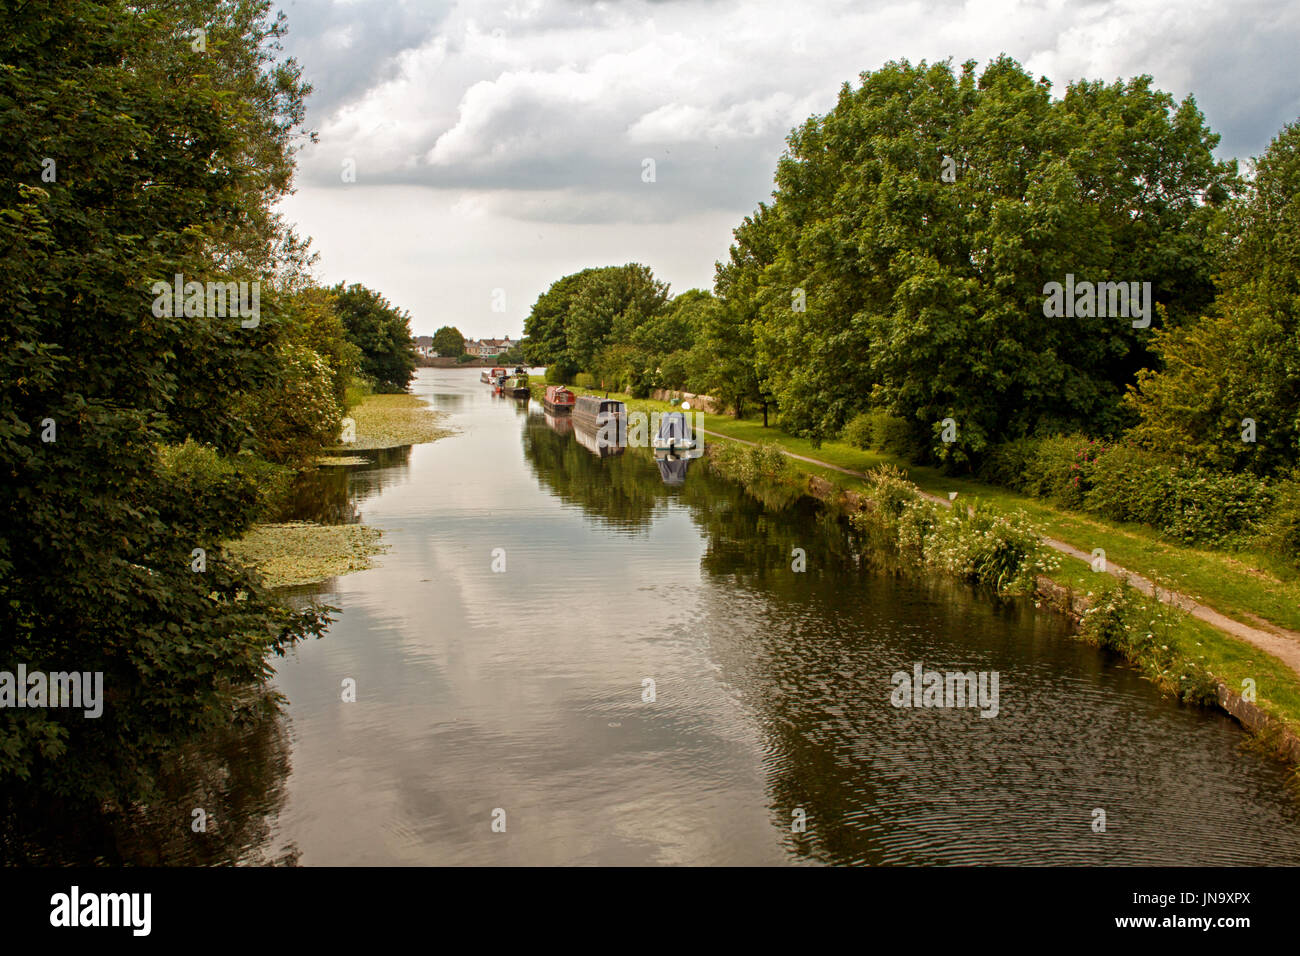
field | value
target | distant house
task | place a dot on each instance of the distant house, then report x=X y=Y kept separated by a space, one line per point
x=424 y=346
x=486 y=348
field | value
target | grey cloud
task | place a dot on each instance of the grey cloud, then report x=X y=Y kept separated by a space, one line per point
x=379 y=31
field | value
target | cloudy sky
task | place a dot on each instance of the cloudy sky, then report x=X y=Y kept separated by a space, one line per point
x=498 y=145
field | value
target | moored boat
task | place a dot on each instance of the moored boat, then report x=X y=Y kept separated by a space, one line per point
x=559 y=400
x=497 y=374
x=516 y=385
x=674 y=435
x=593 y=412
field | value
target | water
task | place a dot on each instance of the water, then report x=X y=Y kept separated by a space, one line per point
x=521 y=690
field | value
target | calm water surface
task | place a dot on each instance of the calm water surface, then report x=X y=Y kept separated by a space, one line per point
x=522 y=690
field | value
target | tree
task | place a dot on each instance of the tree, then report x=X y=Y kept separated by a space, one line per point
x=167 y=161
x=381 y=331
x=1242 y=360
x=915 y=228
x=448 y=341
x=726 y=338
x=582 y=314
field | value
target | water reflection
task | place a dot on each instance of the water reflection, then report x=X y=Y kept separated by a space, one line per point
x=331 y=494
x=234 y=779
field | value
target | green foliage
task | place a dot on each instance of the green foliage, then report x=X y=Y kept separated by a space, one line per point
x=859 y=432
x=555 y=376
x=1002 y=551
x=879 y=282
x=221 y=497
x=584 y=380
x=1280 y=529
x=448 y=341
x=1125 y=483
x=1144 y=631
x=169 y=161
x=1242 y=360
x=748 y=463
x=575 y=323
x=383 y=334
x=296 y=414
x=465 y=357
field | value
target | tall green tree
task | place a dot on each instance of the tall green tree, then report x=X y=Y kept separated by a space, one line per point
x=919 y=221
x=448 y=341
x=1234 y=375
x=381 y=331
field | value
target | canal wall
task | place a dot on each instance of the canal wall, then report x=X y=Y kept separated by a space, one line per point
x=702 y=402
x=1268 y=730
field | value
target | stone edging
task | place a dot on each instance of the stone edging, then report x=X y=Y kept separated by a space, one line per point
x=1268 y=729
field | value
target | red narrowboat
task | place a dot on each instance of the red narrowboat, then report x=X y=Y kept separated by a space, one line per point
x=559 y=400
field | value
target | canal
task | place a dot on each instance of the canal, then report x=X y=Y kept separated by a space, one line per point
x=624 y=672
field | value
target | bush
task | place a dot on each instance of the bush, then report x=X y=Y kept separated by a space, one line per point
x=220 y=496
x=1007 y=464
x=584 y=380
x=558 y=375
x=1144 y=631
x=1279 y=532
x=1211 y=507
x=465 y=357
x=858 y=432
x=1125 y=483
x=880 y=431
x=1129 y=484
x=1059 y=469
x=1003 y=551
x=295 y=413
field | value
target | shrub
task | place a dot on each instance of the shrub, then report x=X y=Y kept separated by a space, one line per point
x=858 y=432
x=220 y=496
x=1007 y=464
x=584 y=380
x=295 y=413
x=1143 y=630
x=892 y=434
x=1279 y=532
x=558 y=375
x=1129 y=484
x=1212 y=507
x=1003 y=551
x=1059 y=469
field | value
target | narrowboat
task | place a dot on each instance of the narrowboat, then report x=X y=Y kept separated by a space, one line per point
x=559 y=400
x=593 y=413
x=674 y=435
x=497 y=375
x=516 y=386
